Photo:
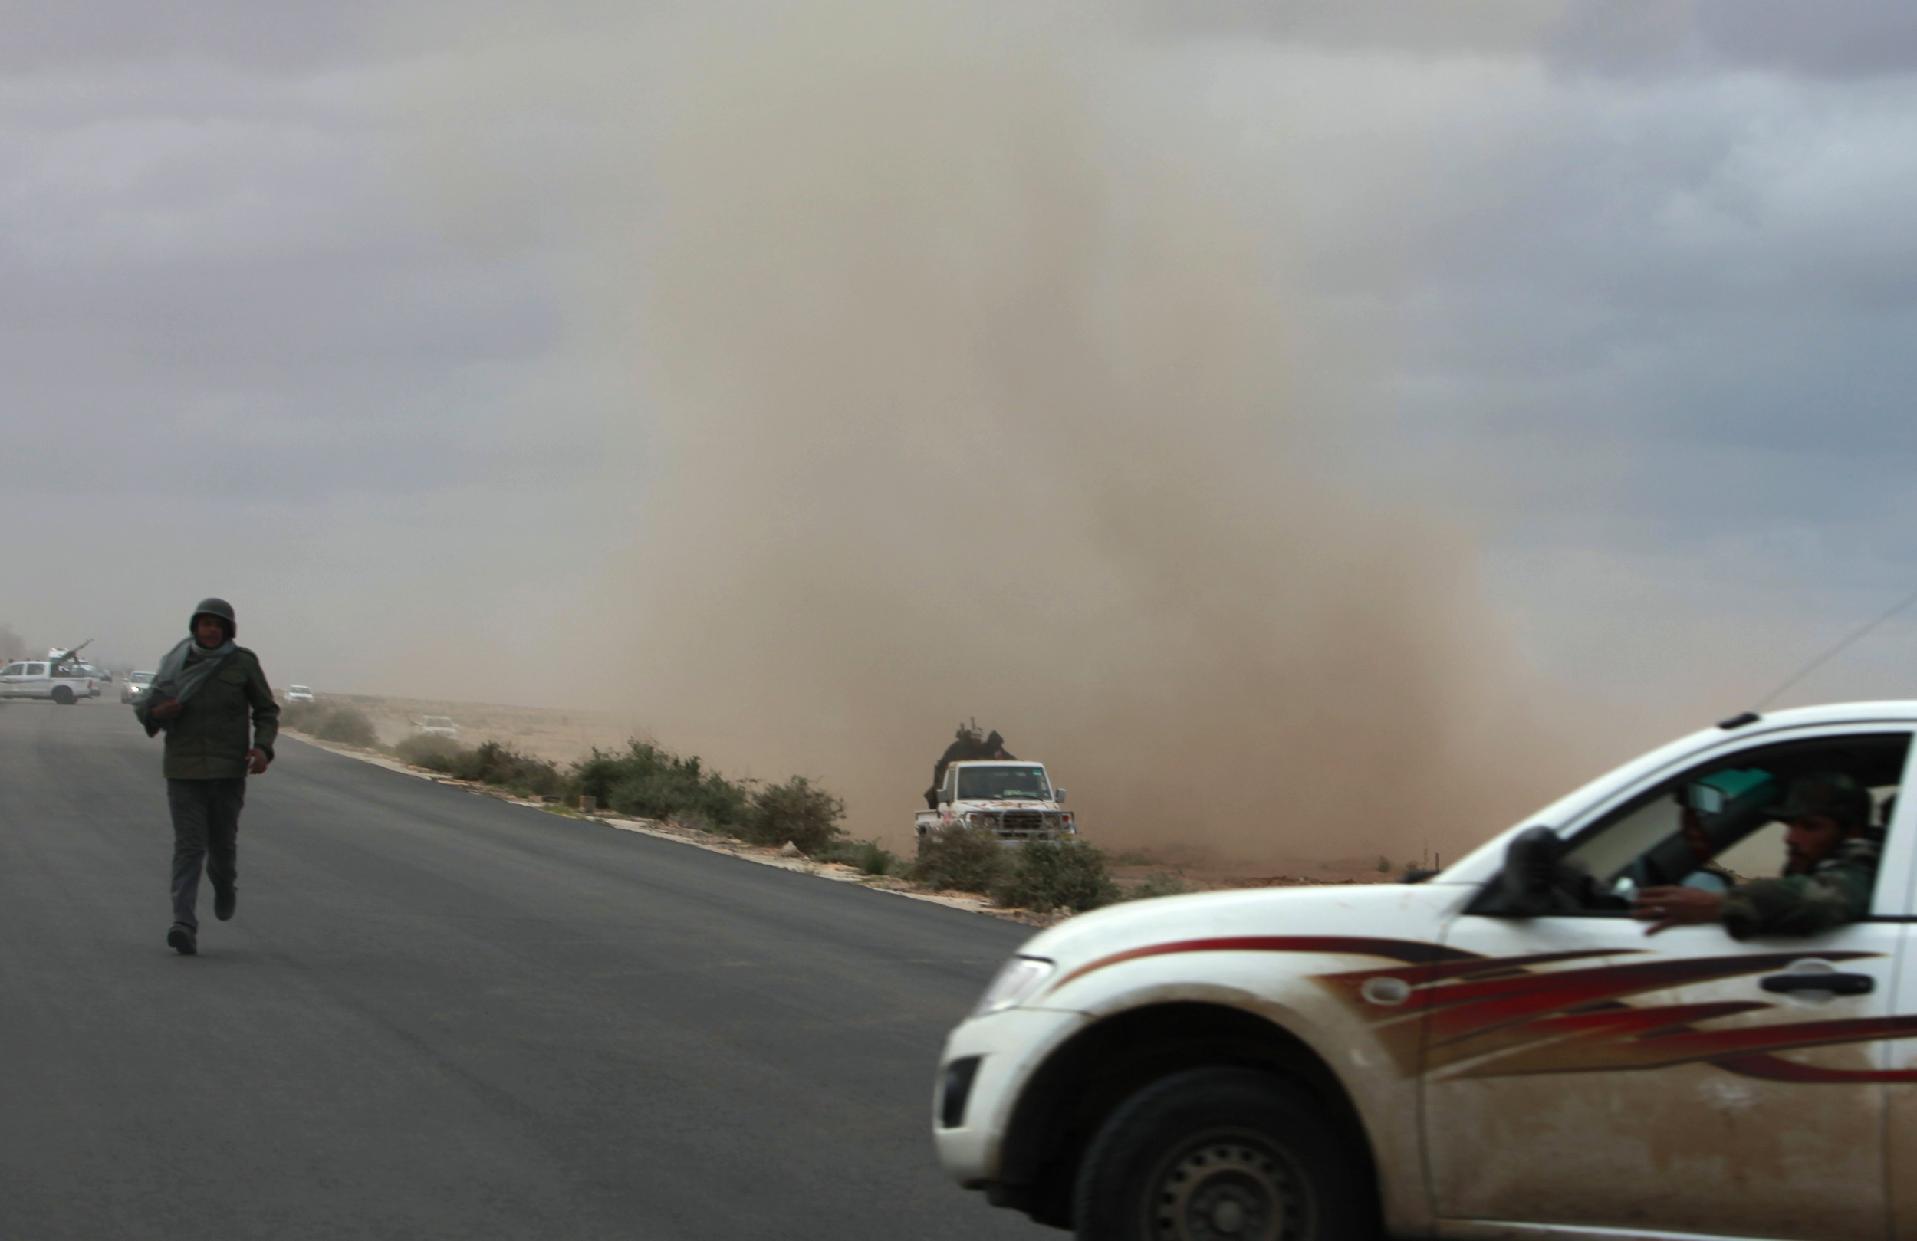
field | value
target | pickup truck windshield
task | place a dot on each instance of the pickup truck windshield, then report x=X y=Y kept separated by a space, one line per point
x=991 y=783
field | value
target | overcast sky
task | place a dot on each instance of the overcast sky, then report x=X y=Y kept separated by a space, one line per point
x=297 y=303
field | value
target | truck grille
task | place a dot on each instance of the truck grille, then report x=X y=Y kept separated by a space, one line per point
x=1026 y=824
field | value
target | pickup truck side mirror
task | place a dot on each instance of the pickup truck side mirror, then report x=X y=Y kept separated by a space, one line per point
x=1058 y=795
x=1535 y=879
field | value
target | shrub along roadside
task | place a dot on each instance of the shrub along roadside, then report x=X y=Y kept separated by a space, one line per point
x=868 y=857
x=963 y=859
x=650 y=782
x=493 y=763
x=1054 y=874
x=432 y=753
x=343 y=724
x=797 y=811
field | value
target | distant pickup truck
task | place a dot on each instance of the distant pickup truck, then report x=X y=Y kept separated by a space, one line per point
x=40 y=678
x=1015 y=801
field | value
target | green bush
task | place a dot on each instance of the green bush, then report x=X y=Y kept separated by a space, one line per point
x=432 y=753
x=654 y=783
x=345 y=725
x=493 y=763
x=966 y=859
x=868 y=857
x=797 y=811
x=1056 y=874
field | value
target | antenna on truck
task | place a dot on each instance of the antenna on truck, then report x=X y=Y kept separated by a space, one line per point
x=1833 y=652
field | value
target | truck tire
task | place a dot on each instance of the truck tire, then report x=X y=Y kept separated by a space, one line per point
x=63 y=696
x=1221 y=1154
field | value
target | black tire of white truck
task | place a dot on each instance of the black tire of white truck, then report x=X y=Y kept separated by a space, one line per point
x=1221 y=1152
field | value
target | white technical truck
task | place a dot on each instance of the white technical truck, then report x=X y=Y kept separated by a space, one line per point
x=63 y=682
x=1016 y=801
x=1498 y=1051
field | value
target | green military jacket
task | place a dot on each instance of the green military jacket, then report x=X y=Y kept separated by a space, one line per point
x=1834 y=892
x=209 y=738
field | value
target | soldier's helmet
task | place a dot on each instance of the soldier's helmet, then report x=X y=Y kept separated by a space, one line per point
x=1832 y=795
x=215 y=607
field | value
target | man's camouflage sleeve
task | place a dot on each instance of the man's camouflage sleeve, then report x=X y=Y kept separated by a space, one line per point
x=1837 y=891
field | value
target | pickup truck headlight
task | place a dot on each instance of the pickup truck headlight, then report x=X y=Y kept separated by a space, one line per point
x=982 y=819
x=1020 y=977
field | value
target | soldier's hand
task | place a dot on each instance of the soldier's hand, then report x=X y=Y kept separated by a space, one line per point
x=1666 y=907
x=256 y=761
x=165 y=709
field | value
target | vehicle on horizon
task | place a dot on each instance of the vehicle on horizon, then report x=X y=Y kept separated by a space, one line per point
x=135 y=686
x=1499 y=1050
x=1014 y=800
x=298 y=693
x=435 y=726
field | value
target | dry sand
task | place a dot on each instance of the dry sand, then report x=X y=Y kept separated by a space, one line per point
x=557 y=734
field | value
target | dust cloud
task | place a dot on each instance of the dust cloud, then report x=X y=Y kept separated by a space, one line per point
x=964 y=383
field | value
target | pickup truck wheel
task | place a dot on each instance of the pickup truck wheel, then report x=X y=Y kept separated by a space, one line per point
x=1220 y=1154
x=63 y=695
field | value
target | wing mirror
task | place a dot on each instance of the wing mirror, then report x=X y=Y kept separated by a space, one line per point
x=1058 y=795
x=1533 y=880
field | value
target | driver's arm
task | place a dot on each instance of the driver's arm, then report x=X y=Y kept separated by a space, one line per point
x=1828 y=897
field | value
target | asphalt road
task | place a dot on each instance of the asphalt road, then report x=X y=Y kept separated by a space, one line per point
x=438 y=1015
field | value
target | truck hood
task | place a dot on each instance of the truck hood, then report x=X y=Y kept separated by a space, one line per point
x=961 y=807
x=1380 y=911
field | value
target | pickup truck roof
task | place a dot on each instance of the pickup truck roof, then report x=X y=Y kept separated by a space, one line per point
x=997 y=762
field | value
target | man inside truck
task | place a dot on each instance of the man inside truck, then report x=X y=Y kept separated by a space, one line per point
x=1831 y=858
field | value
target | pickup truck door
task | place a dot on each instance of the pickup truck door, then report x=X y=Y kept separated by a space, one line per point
x=20 y=680
x=1580 y=1074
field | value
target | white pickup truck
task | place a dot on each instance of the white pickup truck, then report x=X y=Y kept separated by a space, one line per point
x=1500 y=1051
x=39 y=678
x=1014 y=800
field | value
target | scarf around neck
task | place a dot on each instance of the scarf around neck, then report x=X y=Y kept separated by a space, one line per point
x=182 y=674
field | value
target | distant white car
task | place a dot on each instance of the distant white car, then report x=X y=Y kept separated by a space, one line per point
x=298 y=693
x=435 y=726
x=135 y=686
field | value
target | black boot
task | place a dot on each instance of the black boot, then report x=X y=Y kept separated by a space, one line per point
x=182 y=939
x=225 y=900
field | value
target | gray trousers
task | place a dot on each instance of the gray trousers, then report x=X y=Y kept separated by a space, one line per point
x=206 y=832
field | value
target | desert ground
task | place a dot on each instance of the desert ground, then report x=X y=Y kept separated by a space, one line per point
x=560 y=735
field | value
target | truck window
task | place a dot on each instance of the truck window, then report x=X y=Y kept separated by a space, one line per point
x=1720 y=814
x=988 y=783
